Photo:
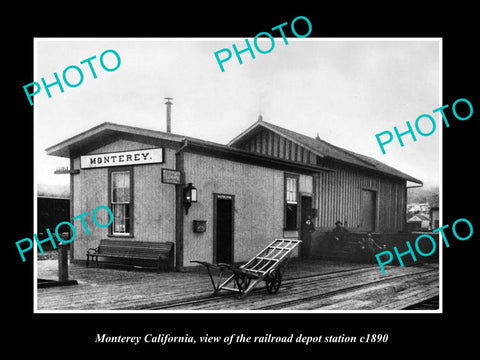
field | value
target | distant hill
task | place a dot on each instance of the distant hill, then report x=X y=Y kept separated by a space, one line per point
x=56 y=191
x=428 y=195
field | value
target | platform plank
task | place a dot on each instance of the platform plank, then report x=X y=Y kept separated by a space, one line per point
x=360 y=289
x=308 y=285
x=394 y=294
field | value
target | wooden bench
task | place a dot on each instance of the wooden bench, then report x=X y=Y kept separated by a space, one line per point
x=129 y=251
x=349 y=251
x=346 y=250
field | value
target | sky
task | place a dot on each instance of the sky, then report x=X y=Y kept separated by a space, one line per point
x=346 y=90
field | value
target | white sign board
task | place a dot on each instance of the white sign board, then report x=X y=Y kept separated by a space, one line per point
x=122 y=158
x=170 y=176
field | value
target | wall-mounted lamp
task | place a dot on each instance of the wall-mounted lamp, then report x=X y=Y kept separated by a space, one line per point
x=189 y=196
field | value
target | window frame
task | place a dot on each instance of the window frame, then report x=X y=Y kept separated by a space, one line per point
x=111 y=171
x=296 y=177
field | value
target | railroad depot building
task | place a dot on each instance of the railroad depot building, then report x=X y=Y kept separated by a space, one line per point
x=224 y=203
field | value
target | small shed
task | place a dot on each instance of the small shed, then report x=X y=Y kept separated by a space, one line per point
x=418 y=222
x=53 y=207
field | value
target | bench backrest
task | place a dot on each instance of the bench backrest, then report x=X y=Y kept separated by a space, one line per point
x=134 y=247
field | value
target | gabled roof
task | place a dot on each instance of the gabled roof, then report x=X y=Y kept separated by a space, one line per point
x=418 y=217
x=107 y=132
x=323 y=149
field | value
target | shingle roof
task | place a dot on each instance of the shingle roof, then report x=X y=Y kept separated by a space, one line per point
x=418 y=217
x=326 y=150
x=107 y=132
x=319 y=147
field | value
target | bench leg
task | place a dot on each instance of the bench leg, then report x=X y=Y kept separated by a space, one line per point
x=92 y=258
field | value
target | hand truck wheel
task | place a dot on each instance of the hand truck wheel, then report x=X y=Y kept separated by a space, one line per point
x=273 y=281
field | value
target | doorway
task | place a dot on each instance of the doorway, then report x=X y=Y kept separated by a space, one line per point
x=306 y=226
x=223 y=228
x=368 y=210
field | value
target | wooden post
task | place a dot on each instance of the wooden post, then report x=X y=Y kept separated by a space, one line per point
x=179 y=214
x=63 y=259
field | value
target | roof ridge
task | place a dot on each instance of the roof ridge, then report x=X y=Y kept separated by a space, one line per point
x=349 y=152
x=270 y=125
x=336 y=152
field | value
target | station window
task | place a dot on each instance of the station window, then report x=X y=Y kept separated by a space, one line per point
x=291 y=201
x=121 y=202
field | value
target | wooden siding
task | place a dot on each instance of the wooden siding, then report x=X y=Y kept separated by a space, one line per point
x=339 y=198
x=120 y=145
x=86 y=200
x=268 y=143
x=154 y=202
x=338 y=193
x=259 y=205
x=154 y=217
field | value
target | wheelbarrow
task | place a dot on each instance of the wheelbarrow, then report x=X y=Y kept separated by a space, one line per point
x=268 y=265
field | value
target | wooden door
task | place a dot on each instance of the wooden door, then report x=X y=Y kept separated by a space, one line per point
x=223 y=236
x=305 y=231
x=368 y=210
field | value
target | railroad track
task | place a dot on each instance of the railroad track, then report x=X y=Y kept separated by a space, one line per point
x=289 y=285
x=430 y=304
x=293 y=303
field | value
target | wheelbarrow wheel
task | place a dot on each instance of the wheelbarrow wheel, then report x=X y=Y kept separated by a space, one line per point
x=273 y=281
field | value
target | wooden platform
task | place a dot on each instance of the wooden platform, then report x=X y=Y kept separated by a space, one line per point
x=308 y=285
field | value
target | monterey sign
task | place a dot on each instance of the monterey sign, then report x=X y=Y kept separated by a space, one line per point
x=122 y=158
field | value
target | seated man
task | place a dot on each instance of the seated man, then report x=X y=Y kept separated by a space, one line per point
x=367 y=247
x=338 y=235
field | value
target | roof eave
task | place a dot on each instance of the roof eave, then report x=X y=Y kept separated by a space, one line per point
x=256 y=158
x=64 y=148
x=368 y=166
x=238 y=139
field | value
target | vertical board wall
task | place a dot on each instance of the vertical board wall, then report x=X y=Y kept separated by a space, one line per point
x=258 y=213
x=154 y=202
x=339 y=196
